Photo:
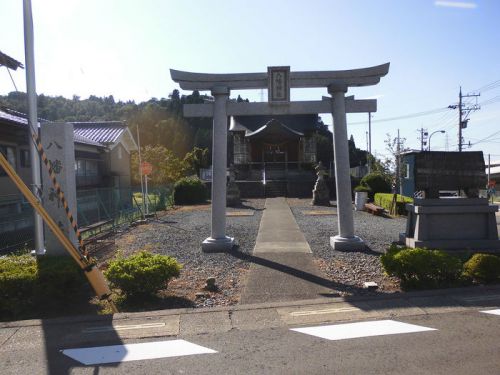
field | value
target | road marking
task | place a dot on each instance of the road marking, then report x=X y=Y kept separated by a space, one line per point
x=324 y=311
x=135 y=352
x=122 y=328
x=481 y=298
x=493 y=312
x=362 y=329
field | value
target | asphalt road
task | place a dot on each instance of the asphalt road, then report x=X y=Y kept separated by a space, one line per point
x=463 y=342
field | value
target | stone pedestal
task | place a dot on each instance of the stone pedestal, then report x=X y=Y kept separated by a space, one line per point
x=58 y=143
x=452 y=224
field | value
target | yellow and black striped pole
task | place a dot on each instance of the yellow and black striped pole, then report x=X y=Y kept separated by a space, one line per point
x=60 y=193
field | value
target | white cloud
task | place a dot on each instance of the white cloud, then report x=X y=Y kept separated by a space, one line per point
x=455 y=4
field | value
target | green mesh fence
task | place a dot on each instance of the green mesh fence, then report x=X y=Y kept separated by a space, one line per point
x=103 y=208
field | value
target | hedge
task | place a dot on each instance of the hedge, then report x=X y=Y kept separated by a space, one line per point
x=142 y=274
x=28 y=285
x=189 y=190
x=483 y=268
x=385 y=201
x=422 y=268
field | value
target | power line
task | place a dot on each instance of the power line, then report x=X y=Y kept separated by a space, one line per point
x=411 y=115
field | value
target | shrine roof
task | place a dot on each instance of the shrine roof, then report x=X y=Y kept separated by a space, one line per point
x=296 y=123
x=273 y=128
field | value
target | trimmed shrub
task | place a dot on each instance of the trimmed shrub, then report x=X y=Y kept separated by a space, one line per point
x=189 y=190
x=28 y=285
x=376 y=183
x=484 y=268
x=143 y=273
x=385 y=200
x=421 y=268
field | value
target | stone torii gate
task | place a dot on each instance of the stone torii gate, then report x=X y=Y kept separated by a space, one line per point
x=279 y=80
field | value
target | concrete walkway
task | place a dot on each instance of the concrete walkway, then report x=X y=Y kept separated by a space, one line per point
x=282 y=265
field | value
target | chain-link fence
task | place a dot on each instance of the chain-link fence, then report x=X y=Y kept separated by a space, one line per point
x=104 y=209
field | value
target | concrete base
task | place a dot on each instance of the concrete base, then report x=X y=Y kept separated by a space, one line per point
x=218 y=245
x=452 y=224
x=347 y=243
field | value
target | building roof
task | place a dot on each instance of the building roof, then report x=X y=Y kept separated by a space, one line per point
x=9 y=62
x=273 y=129
x=13 y=119
x=104 y=132
x=297 y=123
x=84 y=140
x=20 y=120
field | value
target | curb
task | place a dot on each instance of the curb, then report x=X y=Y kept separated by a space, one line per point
x=450 y=292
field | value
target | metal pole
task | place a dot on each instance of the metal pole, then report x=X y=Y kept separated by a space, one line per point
x=147 y=196
x=489 y=169
x=460 y=120
x=398 y=167
x=33 y=120
x=370 y=140
x=140 y=170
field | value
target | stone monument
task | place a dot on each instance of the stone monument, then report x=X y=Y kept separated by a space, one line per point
x=321 y=193
x=233 y=193
x=58 y=143
x=451 y=223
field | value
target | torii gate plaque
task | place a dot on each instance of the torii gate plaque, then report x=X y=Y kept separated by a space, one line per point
x=279 y=80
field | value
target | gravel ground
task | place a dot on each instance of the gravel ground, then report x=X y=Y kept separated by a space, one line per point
x=351 y=269
x=180 y=232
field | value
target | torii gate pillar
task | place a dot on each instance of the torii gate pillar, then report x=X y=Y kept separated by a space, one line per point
x=345 y=240
x=218 y=241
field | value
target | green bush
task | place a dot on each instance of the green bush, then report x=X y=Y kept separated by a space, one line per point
x=484 y=268
x=189 y=190
x=385 y=200
x=27 y=285
x=377 y=183
x=143 y=273
x=421 y=268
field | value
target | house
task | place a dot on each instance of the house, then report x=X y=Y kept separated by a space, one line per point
x=102 y=163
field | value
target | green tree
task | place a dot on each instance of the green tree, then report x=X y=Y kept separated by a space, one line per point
x=196 y=159
x=167 y=168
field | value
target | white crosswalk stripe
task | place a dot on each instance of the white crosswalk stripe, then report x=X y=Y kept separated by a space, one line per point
x=361 y=329
x=135 y=352
x=493 y=312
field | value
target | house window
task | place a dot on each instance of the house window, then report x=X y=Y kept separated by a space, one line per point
x=25 y=158
x=10 y=154
x=91 y=168
x=80 y=167
x=406 y=170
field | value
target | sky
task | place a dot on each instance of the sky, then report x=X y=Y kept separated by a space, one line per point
x=125 y=48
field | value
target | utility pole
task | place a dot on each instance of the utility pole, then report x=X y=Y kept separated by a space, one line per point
x=398 y=166
x=463 y=113
x=370 y=142
x=489 y=169
x=423 y=138
x=33 y=121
